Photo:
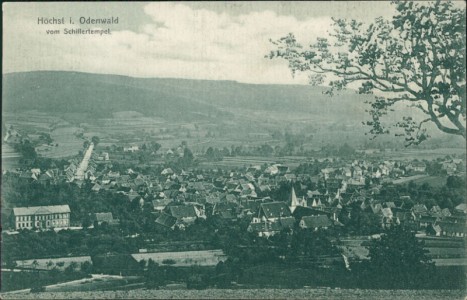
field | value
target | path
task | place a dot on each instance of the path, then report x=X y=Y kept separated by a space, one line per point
x=83 y=166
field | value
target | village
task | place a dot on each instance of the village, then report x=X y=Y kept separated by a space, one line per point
x=165 y=207
x=178 y=198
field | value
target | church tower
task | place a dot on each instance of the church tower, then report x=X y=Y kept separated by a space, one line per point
x=293 y=200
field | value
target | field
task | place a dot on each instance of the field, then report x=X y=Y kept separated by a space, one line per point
x=435 y=181
x=442 y=251
x=421 y=154
x=246 y=161
x=185 y=258
x=65 y=143
x=96 y=283
x=42 y=263
x=324 y=293
x=246 y=130
x=10 y=158
x=68 y=143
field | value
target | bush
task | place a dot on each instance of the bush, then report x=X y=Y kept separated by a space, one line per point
x=168 y=262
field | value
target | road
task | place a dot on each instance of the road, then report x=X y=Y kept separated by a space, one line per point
x=83 y=166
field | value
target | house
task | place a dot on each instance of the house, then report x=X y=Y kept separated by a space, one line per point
x=435 y=209
x=167 y=171
x=290 y=177
x=283 y=169
x=453 y=229
x=160 y=204
x=52 y=216
x=270 y=228
x=449 y=166
x=230 y=198
x=302 y=211
x=185 y=213
x=357 y=172
x=104 y=156
x=405 y=218
x=132 y=148
x=272 y=170
x=376 y=207
x=461 y=209
x=166 y=220
x=425 y=221
x=273 y=211
x=105 y=217
x=225 y=210
x=113 y=175
x=96 y=188
x=434 y=230
x=445 y=212
x=315 y=222
x=317 y=203
x=419 y=209
x=386 y=217
x=417 y=167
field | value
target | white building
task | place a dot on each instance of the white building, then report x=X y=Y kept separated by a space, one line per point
x=52 y=216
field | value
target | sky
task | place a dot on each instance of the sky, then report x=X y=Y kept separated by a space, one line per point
x=197 y=40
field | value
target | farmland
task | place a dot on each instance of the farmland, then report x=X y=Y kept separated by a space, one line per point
x=248 y=130
x=229 y=162
x=184 y=258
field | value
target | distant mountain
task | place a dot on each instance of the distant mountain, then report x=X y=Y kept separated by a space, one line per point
x=101 y=95
x=178 y=100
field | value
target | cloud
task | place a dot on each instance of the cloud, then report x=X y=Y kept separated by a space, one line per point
x=178 y=42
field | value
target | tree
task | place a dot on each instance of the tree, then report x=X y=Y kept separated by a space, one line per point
x=455 y=182
x=35 y=264
x=398 y=259
x=71 y=267
x=346 y=150
x=418 y=58
x=154 y=274
x=50 y=264
x=210 y=153
x=86 y=267
x=95 y=140
x=155 y=146
x=27 y=150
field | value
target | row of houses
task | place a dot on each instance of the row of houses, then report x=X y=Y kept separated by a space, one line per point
x=179 y=198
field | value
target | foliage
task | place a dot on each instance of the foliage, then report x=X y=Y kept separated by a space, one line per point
x=398 y=260
x=417 y=58
x=214 y=154
x=26 y=149
x=36 y=280
x=449 y=195
x=360 y=222
x=95 y=140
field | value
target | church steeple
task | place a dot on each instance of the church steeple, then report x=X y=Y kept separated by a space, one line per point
x=293 y=200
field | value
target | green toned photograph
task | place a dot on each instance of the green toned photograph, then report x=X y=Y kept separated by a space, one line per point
x=233 y=150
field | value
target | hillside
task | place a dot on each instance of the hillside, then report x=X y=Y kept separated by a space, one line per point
x=101 y=95
x=85 y=98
